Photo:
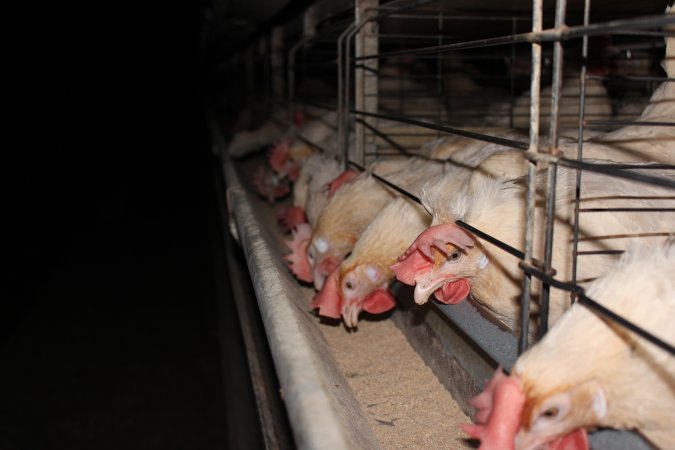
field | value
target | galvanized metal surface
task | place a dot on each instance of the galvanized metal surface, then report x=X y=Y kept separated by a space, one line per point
x=273 y=424
x=321 y=407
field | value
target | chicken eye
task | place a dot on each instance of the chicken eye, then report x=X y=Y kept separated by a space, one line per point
x=310 y=255
x=349 y=285
x=551 y=412
x=455 y=256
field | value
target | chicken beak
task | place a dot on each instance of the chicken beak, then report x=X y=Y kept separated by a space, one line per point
x=427 y=284
x=350 y=314
x=319 y=280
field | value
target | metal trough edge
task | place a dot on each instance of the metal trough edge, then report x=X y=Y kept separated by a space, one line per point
x=321 y=407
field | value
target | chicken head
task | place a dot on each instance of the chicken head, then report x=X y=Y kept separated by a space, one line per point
x=297 y=259
x=269 y=185
x=323 y=257
x=508 y=419
x=285 y=158
x=279 y=154
x=555 y=420
x=290 y=216
x=363 y=287
x=440 y=261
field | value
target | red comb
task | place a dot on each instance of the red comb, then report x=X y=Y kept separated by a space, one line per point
x=437 y=236
x=410 y=264
x=290 y=216
x=503 y=422
x=278 y=154
x=268 y=186
x=483 y=401
x=379 y=301
x=337 y=183
x=297 y=259
x=328 y=299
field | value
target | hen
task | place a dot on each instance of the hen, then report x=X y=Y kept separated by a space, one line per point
x=362 y=280
x=590 y=372
x=450 y=262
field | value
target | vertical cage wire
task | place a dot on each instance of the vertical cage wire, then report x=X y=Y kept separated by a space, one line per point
x=580 y=150
x=561 y=6
x=537 y=26
x=354 y=64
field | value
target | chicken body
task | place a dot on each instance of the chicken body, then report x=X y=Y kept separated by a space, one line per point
x=341 y=223
x=498 y=208
x=599 y=374
x=310 y=189
x=352 y=208
x=596 y=107
x=400 y=93
x=635 y=143
x=590 y=372
x=248 y=141
x=362 y=280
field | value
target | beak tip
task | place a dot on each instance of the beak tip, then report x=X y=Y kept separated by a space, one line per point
x=420 y=297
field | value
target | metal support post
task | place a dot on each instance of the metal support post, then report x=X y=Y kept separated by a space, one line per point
x=366 y=79
x=535 y=83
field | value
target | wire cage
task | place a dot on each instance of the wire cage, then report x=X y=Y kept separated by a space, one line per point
x=419 y=69
x=560 y=76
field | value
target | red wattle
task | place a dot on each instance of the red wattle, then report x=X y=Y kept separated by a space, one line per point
x=576 y=440
x=379 y=301
x=453 y=292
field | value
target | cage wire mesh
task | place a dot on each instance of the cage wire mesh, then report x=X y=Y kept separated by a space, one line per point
x=562 y=77
x=391 y=76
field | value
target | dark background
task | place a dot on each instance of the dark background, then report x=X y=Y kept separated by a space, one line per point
x=109 y=330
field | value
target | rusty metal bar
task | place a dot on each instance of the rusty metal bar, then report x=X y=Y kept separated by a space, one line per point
x=620 y=173
x=629 y=122
x=629 y=78
x=535 y=82
x=541 y=36
x=365 y=81
x=470 y=134
x=387 y=139
x=496 y=242
x=614 y=170
x=389 y=10
x=587 y=210
x=393 y=186
x=551 y=175
x=342 y=115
